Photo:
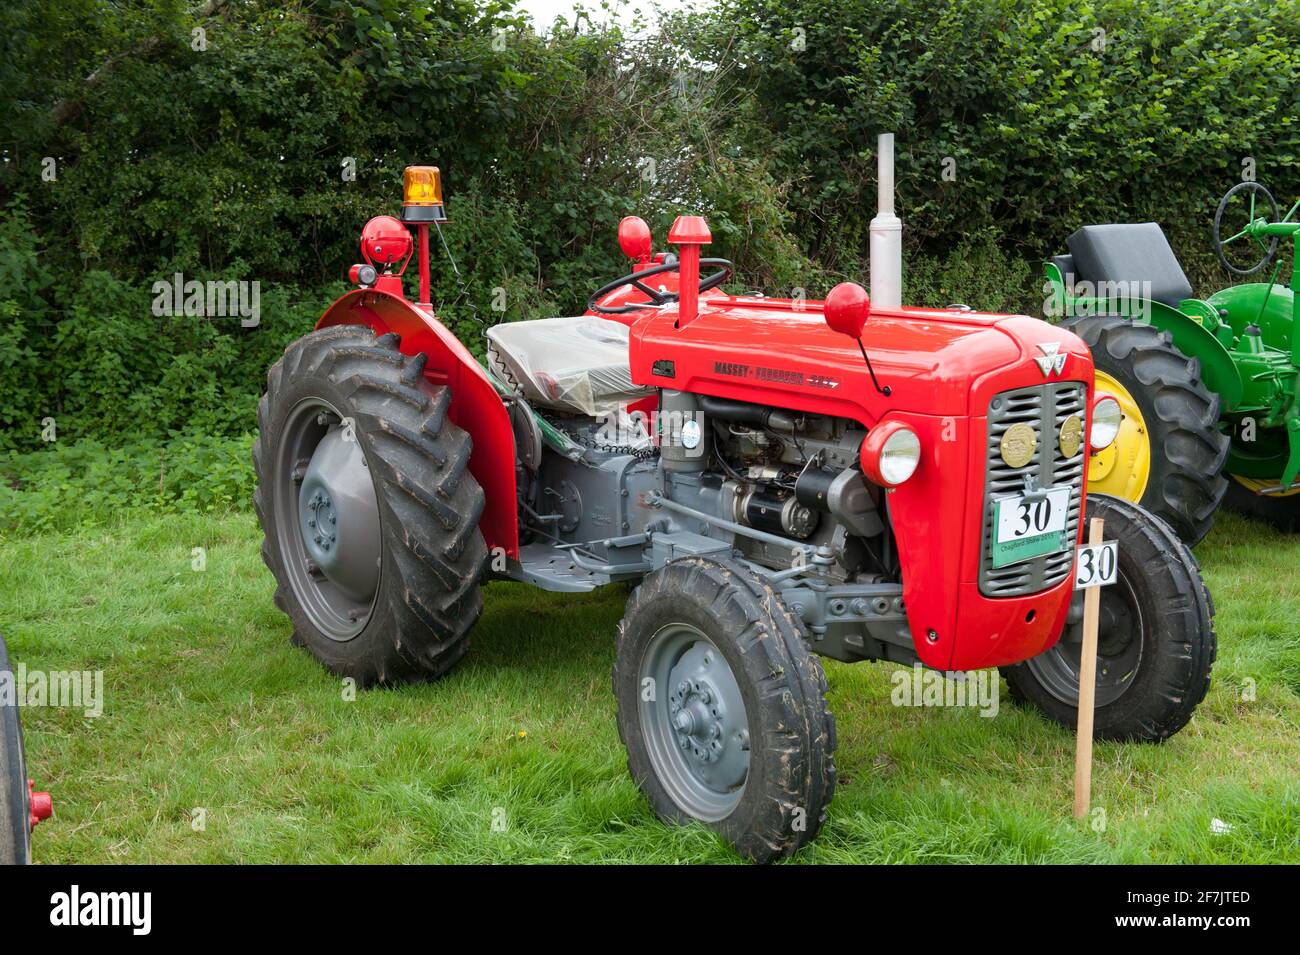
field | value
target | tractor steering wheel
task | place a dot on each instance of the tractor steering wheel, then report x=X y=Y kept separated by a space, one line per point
x=1268 y=249
x=657 y=297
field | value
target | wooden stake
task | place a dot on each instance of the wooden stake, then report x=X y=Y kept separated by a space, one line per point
x=1087 y=687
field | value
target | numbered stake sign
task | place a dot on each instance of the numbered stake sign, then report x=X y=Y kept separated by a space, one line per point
x=1096 y=565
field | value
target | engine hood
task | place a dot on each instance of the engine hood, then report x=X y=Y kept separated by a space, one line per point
x=778 y=352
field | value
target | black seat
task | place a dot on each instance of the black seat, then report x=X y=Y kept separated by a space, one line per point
x=1123 y=257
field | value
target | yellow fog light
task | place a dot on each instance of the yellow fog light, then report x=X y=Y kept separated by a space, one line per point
x=422 y=195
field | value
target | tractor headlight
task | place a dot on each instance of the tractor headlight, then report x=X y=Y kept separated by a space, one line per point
x=1106 y=419
x=890 y=453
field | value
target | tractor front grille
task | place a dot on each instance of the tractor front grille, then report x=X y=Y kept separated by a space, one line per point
x=1045 y=408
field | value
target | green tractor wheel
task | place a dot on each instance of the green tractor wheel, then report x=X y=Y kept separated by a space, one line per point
x=1253 y=497
x=1263 y=498
x=1170 y=453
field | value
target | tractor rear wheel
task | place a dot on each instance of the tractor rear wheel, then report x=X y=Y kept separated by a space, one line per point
x=1170 y=452
x=369 y=512
x=1280 y=508
x=722 y=707
x=15 y=808
x=1156 y=640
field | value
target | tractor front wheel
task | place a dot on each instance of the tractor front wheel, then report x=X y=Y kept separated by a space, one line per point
x=15 y=806
x=1156 y=640
x=369 y=510
x=1169 y=454
x=722 y=707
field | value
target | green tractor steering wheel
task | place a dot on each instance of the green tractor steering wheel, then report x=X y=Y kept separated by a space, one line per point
x=1268 y=249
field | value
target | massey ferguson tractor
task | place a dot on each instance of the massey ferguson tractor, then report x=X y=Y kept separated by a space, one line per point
x=1209 y=388
x=780 y=480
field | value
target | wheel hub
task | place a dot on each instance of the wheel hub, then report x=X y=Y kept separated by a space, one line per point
x=698 y=730
x=707 y=718
x=1120 y=629
x=338 y=516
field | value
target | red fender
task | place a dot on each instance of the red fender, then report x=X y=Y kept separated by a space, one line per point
x=475 y=405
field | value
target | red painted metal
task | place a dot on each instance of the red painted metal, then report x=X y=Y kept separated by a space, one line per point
x=386 y=242
x=422 y=230
x=689 y=233
x=475 y=404
x=847 y=308
x=635 y=240
x=40 y=803
x=944 y=367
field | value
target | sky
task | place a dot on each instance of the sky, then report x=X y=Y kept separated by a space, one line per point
x=542 y=12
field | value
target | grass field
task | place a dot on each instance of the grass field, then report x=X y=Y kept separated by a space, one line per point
x=515 y=756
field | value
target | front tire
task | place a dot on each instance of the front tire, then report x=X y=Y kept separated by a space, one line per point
x=722 y=707
x=1170 y=452
x=15 y=806
x=1156 y=640
x=369 y=511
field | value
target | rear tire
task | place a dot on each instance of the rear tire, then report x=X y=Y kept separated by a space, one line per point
x=1282 y=510
x=15 y=806
x=410 y=619
x=1156 y=643
x=738 y=660
x=1187 y=450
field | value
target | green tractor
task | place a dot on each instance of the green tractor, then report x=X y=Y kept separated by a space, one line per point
x=1209 y=388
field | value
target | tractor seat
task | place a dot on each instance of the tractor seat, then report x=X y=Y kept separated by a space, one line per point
x=1129 y=253
x=577 y=364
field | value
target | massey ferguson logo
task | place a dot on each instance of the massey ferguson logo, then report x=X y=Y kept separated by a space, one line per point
x=1052 y=362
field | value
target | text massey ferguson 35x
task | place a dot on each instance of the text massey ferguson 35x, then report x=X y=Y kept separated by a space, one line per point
x=847 y=478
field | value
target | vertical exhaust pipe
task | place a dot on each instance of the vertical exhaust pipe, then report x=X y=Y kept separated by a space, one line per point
x=886 y=232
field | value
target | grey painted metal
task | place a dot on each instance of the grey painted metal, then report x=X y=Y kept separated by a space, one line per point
x=337 y=600
x=676 y=408
x=339 y=515
x=694 y=723
x=658 y=500
x=851 y=622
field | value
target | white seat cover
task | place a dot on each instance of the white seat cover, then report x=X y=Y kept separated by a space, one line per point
x=577 y=364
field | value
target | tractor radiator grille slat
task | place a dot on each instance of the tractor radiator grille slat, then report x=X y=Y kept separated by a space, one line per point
x=1044 y=408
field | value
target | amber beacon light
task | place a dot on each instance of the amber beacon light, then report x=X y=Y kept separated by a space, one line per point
x=422 y=195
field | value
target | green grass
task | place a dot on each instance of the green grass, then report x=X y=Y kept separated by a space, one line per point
x=209 y=706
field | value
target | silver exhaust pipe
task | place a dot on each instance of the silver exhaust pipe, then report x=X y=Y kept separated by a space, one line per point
x=886 y=232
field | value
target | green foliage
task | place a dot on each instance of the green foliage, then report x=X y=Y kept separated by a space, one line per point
x=90 y=483
x=233 y=159
x=1053 y=113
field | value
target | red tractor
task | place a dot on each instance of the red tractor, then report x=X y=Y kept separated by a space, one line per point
x=781 y=479
x=21 y=806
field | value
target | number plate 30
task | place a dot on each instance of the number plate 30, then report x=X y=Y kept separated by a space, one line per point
x=1096 y=565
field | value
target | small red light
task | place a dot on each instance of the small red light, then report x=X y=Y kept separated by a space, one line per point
x=385 y=241
x=634 y=238
x=847 y=308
